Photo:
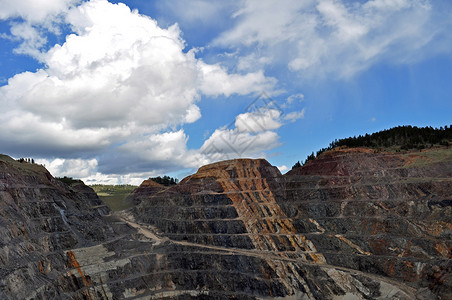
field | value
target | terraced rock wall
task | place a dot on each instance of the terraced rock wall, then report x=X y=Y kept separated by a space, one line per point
x=351 y=224
x=387 y=214
x=371 y=225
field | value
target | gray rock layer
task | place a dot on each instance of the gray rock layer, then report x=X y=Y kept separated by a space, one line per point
x=352 y=224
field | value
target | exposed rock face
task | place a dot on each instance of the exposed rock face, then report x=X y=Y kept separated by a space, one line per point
x=40 y=219
x=382 y=213
x=352 y=224
x=146 y=188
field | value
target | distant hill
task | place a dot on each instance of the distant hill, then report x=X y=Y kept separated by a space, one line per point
x=114 y=195
x=397 y=139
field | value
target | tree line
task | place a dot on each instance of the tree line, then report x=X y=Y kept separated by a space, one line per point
x=401 y=137
x=26 y=160
x=165 y=180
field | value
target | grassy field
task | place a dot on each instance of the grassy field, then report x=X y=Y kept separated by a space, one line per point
x=114 y=196
x=428 y=156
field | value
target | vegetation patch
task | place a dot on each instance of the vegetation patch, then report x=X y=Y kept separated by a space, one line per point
x=425 y=158
x=68 y=180
x=114 y=196
x=165 y=180
x=26 y=165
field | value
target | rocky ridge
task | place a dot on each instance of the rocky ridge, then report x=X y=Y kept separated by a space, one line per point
x=351 y=224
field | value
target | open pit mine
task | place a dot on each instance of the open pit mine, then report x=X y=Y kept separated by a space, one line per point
x=354 y=223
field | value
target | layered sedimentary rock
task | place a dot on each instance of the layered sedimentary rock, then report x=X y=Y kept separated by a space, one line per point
x=388 y=214
x=352 y=224
x=40 y=220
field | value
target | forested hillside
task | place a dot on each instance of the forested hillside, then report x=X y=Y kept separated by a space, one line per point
x=398 y=138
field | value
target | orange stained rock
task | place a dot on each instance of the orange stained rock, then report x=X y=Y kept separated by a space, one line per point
x=318 y=258
x=380 y=246
x=413 y=158
x=74 y=264
x=390 y=268
x=351 y=150
x=375 y=228
x=351 y=244
x=264 y=220
x=248 y=197
x=150 y=182
x=439 y=227
x=443 y=250
x=40 y=267
x=409 y=273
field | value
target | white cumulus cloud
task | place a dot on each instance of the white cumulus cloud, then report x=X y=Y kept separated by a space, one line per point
x=250 y=135
x=257 y=121
x=119 y=85
x=78 y=168
x=215 y=81
x=227 y=143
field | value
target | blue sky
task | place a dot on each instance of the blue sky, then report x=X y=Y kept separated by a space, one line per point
x=115 y=92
